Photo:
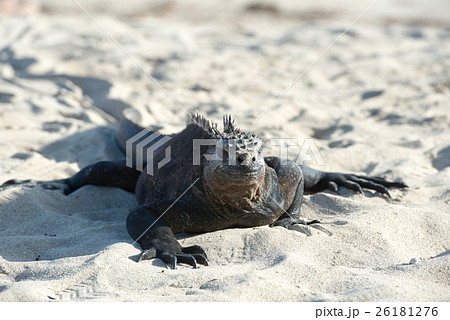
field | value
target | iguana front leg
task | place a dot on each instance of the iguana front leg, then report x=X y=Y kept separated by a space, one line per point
x=291 y=184
x=103 y=173
x=316 y=181
x=147 y=226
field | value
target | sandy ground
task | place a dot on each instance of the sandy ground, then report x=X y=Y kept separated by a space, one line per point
x=377 y=103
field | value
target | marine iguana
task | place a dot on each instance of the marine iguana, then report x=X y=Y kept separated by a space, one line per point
x=238 y=189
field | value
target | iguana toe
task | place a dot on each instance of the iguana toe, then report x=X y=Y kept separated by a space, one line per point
x=13 y=182
x=48 y=185
x=332 y=186
x=352 y=186
x=306 y=229
x=373 y=186
x=202 y=259
x=194 y=250
x=384 y=182
x=170 y=259
x=290 y=221
x=301 y=226
x=190 y=255
x=147 y=255
x=190 y=259
x=320 y=228
x=354 y=182
x=187 y=259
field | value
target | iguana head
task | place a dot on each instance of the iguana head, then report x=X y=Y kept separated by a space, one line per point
x=237 y=155
x=231 y=152
x=234 y=165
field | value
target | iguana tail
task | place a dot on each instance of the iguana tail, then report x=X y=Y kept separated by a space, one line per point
x=139 y=140
x=126 y=131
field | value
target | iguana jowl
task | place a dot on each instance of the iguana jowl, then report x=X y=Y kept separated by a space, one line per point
x=241 y=188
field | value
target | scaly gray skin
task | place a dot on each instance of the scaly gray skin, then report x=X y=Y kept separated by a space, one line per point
x=241 y=189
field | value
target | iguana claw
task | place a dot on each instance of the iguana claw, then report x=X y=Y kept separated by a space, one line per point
x=48 y=185
x=333 y=180
x=302 y=226
x=190 y=255
x=194 y=250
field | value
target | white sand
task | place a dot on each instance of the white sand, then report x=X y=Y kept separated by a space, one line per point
x=63 y=82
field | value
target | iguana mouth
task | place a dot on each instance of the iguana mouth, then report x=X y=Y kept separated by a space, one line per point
x=238 y=170
x=239 y=174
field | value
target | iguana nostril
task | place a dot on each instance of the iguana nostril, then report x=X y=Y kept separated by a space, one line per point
x=241 y=158
x=254 y=158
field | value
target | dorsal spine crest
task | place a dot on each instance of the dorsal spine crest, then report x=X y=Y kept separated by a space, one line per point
x=206 y=124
